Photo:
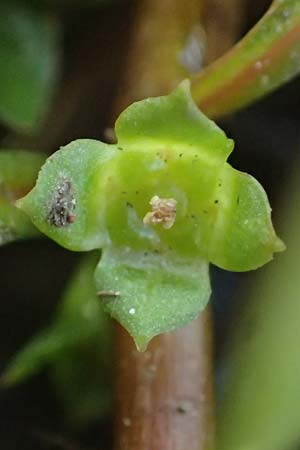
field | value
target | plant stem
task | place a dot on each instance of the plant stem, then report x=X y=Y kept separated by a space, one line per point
x=267 y=57
x=160 y=33
x=164 y=397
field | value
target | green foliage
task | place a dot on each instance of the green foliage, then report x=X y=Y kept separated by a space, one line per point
x=76 y=346
x=261 y=399
x=28 y=64
x=92 y=195
x=18 y=173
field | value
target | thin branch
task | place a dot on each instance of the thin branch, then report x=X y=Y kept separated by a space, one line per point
x=164 y=397
x=267 y=57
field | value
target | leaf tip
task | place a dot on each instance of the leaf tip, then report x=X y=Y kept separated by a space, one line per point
x=141 y=342
x=22 y=204
x=185 y=85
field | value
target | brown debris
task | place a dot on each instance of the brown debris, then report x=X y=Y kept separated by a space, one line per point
x=163 y=211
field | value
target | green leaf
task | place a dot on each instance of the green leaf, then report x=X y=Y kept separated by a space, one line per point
x=82 y=380
x=79 y=319
x=18 y=172
x=28 y=64
x=164 y=190
x=260 y=384
x=76 y=344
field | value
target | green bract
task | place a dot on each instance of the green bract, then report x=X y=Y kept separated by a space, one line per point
x=161 y=204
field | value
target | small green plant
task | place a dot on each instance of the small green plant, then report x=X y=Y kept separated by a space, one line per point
x=161 y=204
x=155 y=208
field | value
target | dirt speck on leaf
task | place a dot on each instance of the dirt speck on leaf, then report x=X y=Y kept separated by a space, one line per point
x=62 y=208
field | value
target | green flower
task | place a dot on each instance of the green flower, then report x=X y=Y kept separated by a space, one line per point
x=161 y=204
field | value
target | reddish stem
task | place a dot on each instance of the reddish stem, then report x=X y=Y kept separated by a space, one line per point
x=164 y=397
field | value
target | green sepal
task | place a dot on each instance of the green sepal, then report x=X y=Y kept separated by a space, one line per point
x=243 y=237
x=149 y=293
x=172 y=121
x=79 y=171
